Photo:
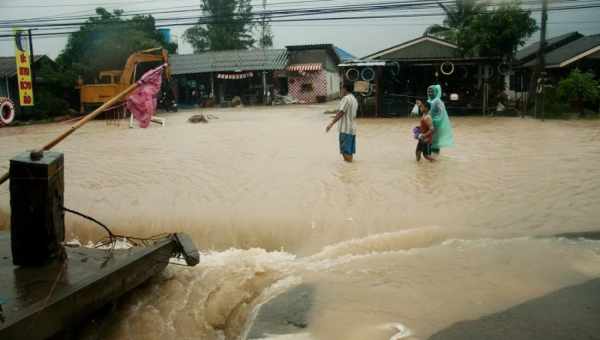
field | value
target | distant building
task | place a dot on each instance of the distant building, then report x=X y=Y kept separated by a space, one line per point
x=312 y=73
x=562 y=54
x=222 y=75
x=400 y=74
x=8 y=76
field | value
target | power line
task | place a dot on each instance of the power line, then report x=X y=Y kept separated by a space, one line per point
x=135 y=3
x=195 y=8
x=278 y=13
x=187 y=9
x=284 y=16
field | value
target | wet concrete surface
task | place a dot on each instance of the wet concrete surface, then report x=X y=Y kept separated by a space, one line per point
x=284 y=314
x=569 y=313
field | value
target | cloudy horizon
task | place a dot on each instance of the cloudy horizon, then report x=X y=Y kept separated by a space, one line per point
x=359 y=37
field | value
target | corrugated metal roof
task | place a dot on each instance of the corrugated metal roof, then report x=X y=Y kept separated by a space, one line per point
x=229 y=61
x=8 y=65
x=531 y=50
x=567 y=52
x=343 y=54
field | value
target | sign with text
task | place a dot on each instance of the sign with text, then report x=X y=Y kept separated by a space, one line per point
x=23 y=59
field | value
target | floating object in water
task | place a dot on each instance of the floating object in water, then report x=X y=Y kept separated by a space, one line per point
x=201 y=118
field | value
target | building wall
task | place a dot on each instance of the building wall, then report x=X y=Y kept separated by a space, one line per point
x=298 y=87
x=333 y=85
x=313 y=56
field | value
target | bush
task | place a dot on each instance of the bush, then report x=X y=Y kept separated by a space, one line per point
x=554 y=106
x=578 y=88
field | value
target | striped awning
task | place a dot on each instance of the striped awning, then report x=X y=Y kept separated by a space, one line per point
x=235 y=76
x=305 y=67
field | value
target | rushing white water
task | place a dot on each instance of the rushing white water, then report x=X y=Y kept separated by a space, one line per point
x=394 y=249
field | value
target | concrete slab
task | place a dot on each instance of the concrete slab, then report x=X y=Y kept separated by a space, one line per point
x=38 y=302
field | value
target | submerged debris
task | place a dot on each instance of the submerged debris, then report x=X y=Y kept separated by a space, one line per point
x=201 y=118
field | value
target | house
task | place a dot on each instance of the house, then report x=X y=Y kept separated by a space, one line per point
x=519 y=79
x=530 y=52
x=222 y=75
x=313 y=74
x=8 y=76
x=562 y=54
x=400 y=74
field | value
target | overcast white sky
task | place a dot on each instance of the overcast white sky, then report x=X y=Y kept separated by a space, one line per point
x=359 y=37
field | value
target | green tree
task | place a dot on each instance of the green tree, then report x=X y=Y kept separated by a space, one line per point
x=104 y=42
x=499 y=32
x=228 y=26
x=578 y=88
x=458 y=17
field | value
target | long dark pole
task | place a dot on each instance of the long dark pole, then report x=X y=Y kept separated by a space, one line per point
x=541 y=64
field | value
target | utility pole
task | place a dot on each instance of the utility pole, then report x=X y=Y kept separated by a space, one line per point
x=264 y=23
x=262 y=45
x=540 y=71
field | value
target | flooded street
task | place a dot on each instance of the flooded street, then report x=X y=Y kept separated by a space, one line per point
x=384 y=241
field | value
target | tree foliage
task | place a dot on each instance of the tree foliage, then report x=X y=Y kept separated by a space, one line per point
x=105 y=42
x=228 y=27
x=458 y=17
x=499 y=32
x=579 y=87
x=481 y=30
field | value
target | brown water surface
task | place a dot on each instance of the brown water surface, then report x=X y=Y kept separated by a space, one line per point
x=385 y=240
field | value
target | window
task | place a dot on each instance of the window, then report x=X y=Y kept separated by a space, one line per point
x=307 y=87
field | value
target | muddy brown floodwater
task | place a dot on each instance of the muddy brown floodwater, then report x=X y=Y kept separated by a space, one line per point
x=384 y=241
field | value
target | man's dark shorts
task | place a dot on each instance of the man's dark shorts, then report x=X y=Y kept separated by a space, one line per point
x=424 y=147
x=347 y=144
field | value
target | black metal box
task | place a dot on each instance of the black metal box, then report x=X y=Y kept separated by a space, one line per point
x=36 y=201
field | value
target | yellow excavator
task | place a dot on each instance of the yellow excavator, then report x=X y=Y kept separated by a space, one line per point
x=114 y=81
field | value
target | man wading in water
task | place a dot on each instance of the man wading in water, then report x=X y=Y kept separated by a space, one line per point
x=347 y=127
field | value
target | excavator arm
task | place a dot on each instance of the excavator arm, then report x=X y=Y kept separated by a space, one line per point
x=150 y=55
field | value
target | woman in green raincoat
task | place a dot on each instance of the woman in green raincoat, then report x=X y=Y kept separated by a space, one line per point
x=443 y=136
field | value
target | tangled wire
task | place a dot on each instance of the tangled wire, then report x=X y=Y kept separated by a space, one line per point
x=111 y=240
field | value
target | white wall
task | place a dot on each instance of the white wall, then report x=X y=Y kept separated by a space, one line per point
x=333 y=84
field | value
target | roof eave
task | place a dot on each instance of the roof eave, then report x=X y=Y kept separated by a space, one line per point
x=408 y=44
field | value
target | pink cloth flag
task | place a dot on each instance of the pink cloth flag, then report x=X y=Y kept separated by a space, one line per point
x=142 y=101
